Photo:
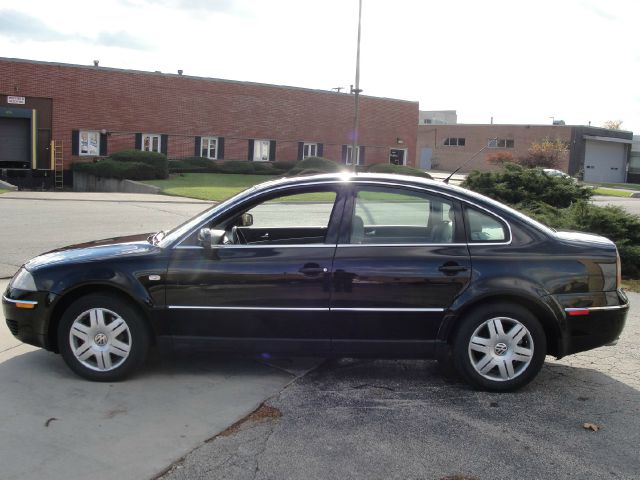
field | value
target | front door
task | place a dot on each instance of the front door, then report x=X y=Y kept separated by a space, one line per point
x=267 y=285
x=397 y=269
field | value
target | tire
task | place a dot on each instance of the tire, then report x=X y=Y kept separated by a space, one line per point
x=102 y=338
x=499 y=347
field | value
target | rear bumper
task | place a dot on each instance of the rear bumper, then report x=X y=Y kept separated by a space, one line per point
x=594 y=323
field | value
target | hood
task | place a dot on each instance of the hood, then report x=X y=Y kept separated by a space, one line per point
x=584 y=238
x=95 y=250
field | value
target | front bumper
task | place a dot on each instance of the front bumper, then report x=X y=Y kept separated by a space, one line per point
x=27 y=315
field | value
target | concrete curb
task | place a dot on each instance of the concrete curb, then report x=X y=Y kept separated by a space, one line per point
x=7 y=186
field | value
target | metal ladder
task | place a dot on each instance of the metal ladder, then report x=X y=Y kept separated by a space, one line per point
x=57 y=159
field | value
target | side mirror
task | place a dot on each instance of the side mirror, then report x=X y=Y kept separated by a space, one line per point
x=246 y=220
x=209 y=237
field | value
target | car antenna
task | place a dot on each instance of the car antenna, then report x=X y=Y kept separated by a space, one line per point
x=446 y=180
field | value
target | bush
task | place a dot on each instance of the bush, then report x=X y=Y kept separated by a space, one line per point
x=318 y=164
x=120 y=170
x=544 y=154
x=158 y=161
x=398 y=169
x=515 y=184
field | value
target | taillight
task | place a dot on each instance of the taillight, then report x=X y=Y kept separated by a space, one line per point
x=618 y=270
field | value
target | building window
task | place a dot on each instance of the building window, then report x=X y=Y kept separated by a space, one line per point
x=309 y=150
x=209 y=147
x=89 y=143
x=261 y=150
x=500 y=143
x=348 y=156
x=151 y=142
x=454 y=142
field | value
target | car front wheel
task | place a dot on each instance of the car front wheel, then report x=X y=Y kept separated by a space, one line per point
x=102 y=338
x=499 y=347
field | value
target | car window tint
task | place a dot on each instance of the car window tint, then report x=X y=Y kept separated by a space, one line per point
x=484 y=227
x=401 y=216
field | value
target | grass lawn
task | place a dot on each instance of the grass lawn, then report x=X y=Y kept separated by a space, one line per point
x=612 y=192
x=626 y=186
x=633 y=285
x=3 y=191
x=208 y=186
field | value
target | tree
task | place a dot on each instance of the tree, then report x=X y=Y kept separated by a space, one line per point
x=545 y=154
x=613 y=124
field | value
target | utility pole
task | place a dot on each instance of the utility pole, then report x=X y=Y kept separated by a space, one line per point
x=356 y=91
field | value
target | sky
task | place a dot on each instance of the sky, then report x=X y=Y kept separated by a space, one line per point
x=516 y=61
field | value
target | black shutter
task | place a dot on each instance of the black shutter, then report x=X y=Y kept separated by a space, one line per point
x=320 y=149
x=344 y=154
x=138 y=141
x=272 y=150
x=250 y=155
x=300 y=150
x=75 y=142
x=103 y=145
x=164 y=143
x=361 y=153
x=198 y=150
x=220 y=148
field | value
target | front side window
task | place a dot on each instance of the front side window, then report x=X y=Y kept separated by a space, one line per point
x=89 y=143
x=151 y=142
x=309 y=150
x=483 y=227
x=261 y=150
x=209 y=147
x=395 y=216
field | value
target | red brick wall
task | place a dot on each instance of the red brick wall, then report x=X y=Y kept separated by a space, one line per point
x=125 y=102
x=448 y=158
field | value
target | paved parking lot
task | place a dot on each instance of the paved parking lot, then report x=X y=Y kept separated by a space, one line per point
x=346 y=419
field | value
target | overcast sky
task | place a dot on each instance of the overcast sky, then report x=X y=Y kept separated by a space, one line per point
x=518 y=61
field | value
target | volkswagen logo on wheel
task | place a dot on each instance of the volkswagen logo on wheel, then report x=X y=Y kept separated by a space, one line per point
x=500 y=348
x=100 y=339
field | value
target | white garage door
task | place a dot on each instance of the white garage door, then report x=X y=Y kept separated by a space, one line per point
x=605 y=162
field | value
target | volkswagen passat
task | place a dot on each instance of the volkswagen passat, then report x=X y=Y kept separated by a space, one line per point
x=341 y=265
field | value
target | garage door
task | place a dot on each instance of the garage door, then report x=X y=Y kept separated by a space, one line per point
x=605 y=162
x=14 y=142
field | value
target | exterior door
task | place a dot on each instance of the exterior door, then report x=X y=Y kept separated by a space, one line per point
x=397 y=156
x=397 y=269
x=268 y=282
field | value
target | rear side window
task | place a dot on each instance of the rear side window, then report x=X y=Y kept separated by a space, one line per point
x=482 y=227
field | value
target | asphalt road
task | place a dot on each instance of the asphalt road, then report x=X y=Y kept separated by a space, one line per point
x=375 y=419
x=631 y=205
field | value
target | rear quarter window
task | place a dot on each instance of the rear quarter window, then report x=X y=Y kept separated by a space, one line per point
x=483 y=227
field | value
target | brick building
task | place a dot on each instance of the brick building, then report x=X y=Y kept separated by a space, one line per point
x=601 y=155
x=96 y=111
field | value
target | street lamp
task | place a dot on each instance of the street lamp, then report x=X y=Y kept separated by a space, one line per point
x=356 y=91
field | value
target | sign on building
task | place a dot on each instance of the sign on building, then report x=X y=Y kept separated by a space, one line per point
x=15 y=100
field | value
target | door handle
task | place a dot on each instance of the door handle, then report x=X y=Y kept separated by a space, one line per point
x=265 y=236
x=450 y=268
x=313 y=269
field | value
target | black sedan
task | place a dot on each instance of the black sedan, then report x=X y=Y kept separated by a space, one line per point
x=340 y=265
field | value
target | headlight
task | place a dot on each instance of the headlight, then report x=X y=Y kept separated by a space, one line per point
x=23 y=280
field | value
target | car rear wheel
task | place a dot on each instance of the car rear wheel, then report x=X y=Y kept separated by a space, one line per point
x=102 y=338
x=499 y=347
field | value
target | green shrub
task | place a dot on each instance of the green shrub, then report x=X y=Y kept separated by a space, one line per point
x=318 y=164
x=194 y=165
x=514 y=184
x=120 y=170
x=283 y=166
x=398 y=169
x=158 y=161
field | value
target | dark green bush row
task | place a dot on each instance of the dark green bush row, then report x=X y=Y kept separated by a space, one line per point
x=205 y=165
x=157 y=161
x=539 y=196
x=120 y=170
x=314 y=165
x=515 y=184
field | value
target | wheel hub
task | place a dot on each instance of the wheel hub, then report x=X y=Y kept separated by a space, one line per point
x=100 y=339
x=500 y=349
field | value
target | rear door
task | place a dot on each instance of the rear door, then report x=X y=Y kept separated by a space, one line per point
x=400 y=262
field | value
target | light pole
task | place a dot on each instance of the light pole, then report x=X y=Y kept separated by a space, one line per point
x=356 y=91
